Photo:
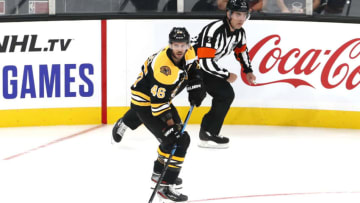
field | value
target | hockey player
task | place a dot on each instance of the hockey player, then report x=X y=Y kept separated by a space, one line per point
x=131 y=120
x=162 y=77
x=217 y=39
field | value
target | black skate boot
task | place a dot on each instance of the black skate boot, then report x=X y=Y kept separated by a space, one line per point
x=155 y=177
x=118 y=131
x=207 y=140
x=167 y=193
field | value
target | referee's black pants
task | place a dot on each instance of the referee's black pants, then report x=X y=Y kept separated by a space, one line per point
x=222 y=95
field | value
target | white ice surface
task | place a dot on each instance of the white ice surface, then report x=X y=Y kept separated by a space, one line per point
x=60 y=164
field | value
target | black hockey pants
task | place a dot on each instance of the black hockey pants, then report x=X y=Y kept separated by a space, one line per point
x=223 y=95
x=134 y=118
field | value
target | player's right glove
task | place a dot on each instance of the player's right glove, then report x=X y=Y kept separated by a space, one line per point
x=197 y=92
x=172 y=134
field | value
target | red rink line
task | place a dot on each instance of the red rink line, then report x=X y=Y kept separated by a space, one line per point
x=54 y=142
x=273 y=195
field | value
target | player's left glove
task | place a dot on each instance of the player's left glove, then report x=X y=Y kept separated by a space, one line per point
x=197 y=92
x=172 y=134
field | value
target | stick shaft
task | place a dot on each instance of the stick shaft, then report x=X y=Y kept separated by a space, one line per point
x=171 y=155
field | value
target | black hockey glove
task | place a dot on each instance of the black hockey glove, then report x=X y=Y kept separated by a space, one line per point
x=172 y=134
x=197 y=92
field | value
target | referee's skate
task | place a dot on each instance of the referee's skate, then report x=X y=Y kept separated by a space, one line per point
x=207 y=140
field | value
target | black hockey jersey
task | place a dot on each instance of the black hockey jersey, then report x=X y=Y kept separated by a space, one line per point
x=215 y=41
x=160 y=80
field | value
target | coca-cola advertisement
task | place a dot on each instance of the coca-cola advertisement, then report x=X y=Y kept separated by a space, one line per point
x=302 y=65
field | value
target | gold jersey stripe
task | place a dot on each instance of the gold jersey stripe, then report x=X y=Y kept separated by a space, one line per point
x=146 y=69
x=140 y=103
x=160 y=112
x=176 y=158
x=157 y=105
x=172 y=166
x=140 y=94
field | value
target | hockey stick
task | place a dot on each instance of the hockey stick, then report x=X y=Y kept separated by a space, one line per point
x=171 y=155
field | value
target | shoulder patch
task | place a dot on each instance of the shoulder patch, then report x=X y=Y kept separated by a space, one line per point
x=165 y=70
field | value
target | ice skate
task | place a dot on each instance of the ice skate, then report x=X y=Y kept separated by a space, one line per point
x=167 y=194
x=155 y=177
x=207 y=140
x=118 y=131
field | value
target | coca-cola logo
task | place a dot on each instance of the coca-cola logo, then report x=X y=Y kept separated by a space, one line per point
x=308 y=62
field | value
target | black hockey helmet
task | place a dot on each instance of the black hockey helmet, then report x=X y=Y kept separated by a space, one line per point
x=179 y=34
x=238 y=5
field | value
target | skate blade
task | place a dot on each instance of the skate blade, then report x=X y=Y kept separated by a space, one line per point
x=153 y=184
x=177 y=187
x=162 y=200
x=114 y=144
x=213 y=145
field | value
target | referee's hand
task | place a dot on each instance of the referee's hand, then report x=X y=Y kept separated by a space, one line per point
x=232 y=78
x=251 y=78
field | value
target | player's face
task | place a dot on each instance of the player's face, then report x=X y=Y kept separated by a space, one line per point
x=237 y=19
x=179 y=49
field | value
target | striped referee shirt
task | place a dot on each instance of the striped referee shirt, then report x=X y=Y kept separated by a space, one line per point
x=215 y=41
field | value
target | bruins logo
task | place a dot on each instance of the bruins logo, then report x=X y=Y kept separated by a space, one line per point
x=165 y=70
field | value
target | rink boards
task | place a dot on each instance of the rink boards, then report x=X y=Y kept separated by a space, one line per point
x=80 y=72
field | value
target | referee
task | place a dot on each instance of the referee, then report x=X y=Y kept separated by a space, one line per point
x=216 y=40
